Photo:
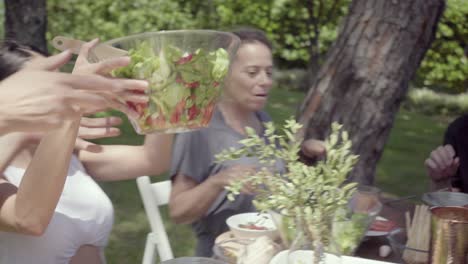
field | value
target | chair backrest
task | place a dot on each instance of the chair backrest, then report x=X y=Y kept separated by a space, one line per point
x=155 y=195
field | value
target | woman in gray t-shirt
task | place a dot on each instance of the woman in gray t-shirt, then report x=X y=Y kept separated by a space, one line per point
x=198 y=196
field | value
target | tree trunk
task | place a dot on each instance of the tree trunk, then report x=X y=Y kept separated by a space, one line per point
x=366 y=74
x=26 y=22
x=313 y=64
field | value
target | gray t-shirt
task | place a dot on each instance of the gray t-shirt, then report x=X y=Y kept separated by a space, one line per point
x=193 y=156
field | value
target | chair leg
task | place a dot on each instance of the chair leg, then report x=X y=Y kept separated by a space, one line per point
x=149 y=255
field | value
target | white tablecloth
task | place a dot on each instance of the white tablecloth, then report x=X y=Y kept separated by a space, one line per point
x=306 y=256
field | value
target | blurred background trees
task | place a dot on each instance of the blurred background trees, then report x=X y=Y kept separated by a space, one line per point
x=445 y=67
x=302 y=31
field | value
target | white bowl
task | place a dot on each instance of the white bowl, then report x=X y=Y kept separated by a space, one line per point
x=263 y=220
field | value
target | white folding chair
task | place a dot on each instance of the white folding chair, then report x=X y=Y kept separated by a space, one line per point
x=155 y=195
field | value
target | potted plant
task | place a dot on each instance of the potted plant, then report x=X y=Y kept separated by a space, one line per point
x=308 y=196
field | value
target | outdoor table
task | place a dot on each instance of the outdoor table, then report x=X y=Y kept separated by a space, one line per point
x=281 y=258
x=192 y=260
x=394 y=211
x=369 y=249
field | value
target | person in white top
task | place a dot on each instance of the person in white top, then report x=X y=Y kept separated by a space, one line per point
x=83 y=217
x=82 y=220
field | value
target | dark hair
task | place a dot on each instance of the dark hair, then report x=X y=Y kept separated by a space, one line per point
x=12 y=57
x=252 y=35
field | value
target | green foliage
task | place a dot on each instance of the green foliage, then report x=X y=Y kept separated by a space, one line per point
x=109 y=19
x=289 y=23
x=446 y=63
x=310 y=193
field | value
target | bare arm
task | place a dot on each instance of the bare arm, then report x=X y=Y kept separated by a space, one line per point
x=55 y=97
x=118 y=162
x=11 y=145
x=29 y=208
x=190 y=201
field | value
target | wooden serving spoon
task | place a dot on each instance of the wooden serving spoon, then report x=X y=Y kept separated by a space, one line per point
x=100 y=52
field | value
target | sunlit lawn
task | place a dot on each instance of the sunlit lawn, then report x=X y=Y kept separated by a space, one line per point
x=400 y=172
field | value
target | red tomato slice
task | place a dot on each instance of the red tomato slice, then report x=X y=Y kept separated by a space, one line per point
x=137 y=107
x=383 y=225
x=185 y=59
x=192 y=85
x=193 y=112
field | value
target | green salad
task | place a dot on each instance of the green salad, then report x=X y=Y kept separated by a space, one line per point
x=184 y=86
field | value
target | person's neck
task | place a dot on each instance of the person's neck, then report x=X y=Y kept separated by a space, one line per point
x=237 y=117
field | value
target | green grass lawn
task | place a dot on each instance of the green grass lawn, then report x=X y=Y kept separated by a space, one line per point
x=400 y=171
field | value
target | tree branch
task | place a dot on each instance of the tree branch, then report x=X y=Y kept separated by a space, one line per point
x=332 y=10
x=319 y=12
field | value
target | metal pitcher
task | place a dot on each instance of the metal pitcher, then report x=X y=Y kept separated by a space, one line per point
x=449 y=235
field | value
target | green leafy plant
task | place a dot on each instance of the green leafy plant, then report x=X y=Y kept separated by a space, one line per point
x=311 y=194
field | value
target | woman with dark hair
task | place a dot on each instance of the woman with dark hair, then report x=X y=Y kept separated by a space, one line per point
x=82 y=219
x=198 y=183
x=13 y=56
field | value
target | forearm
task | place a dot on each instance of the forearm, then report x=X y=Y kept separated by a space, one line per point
x=4 y=127
x=120 y=162
x=114 y=162
x=43 y=181
x=11 y=145
x=188 y=206
x=158 y=150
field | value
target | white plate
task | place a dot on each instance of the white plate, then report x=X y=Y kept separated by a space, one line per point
x=371 y=233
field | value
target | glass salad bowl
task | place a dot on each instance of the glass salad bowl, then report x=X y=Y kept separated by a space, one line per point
x=350 y=224
x=185 y=70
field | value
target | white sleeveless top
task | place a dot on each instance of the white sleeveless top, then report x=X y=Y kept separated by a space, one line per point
x=84 y=215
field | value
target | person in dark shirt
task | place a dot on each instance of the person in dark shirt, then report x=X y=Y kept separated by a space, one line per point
x=447 y=165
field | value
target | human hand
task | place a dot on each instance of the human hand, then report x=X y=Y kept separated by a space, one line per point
x=90 y=128
x=442 y=163
x=84 y=67
x=36 y=99
x=313 y=148
x=93 y=128
x=236 y=173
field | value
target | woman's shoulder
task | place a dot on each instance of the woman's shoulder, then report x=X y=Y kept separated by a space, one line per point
x=192 y=137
